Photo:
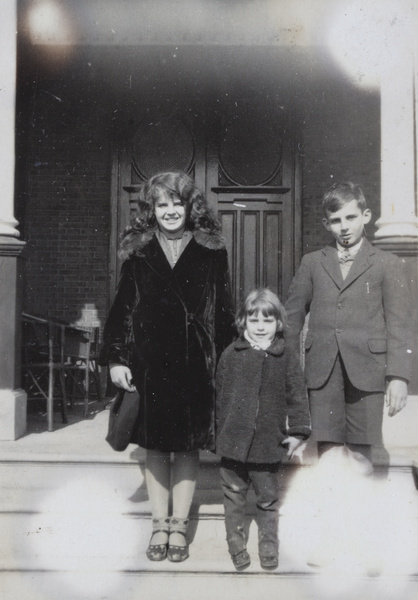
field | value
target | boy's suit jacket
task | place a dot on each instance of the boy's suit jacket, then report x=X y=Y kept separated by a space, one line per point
x=365 y=317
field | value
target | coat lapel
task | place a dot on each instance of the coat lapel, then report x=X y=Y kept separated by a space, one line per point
x=331 y=265
x=186 y=258
x=154 y=255
x=360 y=264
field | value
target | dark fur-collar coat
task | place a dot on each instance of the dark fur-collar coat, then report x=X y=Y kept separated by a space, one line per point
x=169 y=325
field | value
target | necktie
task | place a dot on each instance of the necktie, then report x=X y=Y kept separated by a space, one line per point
x=344 y=256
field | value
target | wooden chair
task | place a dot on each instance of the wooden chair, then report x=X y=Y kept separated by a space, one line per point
x=42 y=358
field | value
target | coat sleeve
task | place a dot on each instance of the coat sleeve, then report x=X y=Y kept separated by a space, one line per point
x=298 y=303
x=220 y=369
x=117 y=332
x=225 y=330
x=397 y=304
x=298 y=417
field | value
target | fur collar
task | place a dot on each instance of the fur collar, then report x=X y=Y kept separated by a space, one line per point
x=133 y=243
x=276 y=348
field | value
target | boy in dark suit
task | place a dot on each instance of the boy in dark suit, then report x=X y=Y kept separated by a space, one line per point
x=357 y=346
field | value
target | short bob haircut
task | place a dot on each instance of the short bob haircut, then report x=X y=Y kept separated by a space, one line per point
x=263 y=300
x=178 y=185
x=340 y=194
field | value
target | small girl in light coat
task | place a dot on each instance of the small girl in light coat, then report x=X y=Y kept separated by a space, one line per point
x=261 y=407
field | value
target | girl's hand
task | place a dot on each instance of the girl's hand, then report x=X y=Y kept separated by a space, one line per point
x=121 y=376
x=295 y=447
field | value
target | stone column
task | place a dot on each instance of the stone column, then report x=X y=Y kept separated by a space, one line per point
x=398 y=224
x=12 y=398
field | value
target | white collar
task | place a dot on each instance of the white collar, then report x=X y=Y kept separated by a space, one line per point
x=255 y=345
x=352 y=249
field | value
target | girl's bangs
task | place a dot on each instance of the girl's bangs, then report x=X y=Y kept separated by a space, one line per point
x=266 y=308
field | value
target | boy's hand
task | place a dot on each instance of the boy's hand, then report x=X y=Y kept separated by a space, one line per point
x=121 y=376
x=396 y=395
x=295 y=447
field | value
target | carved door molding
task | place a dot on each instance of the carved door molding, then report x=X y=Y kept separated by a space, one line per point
x=246 y=161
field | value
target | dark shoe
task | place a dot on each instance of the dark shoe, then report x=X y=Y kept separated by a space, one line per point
x=269 y=562
x=241 y=560
x=178 y=553
x=158 y=552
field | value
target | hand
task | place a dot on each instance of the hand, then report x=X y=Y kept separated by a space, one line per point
x=295 y=447
x=396 y=395
x=121 y=376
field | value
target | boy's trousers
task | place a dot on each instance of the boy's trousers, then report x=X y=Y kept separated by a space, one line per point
x=236 y=478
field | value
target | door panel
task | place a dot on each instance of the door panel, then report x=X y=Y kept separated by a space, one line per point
x=253 y=228
x=255 y=192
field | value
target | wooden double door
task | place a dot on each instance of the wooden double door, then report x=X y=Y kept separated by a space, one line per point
x=247 y=162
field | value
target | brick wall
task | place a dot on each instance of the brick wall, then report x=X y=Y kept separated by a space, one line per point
x=66 y=222
x=67 y=212
x=341 y=142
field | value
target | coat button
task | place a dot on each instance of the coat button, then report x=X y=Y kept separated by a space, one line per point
x=339 y=330
x=339 y=305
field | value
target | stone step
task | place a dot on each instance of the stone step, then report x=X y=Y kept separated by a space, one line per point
x=83 y=501
x=75 y=523
x=84 y=440
x=105 y=585
x=26 y=484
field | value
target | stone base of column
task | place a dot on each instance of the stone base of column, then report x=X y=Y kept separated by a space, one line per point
x=12 y=414
x=400 y=444
x=400 y=245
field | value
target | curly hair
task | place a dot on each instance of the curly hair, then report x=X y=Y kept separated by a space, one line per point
x=179 y=185
x=265 y=301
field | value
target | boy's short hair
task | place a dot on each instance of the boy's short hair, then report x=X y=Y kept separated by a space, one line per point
x=340 y=194
x=264 y=300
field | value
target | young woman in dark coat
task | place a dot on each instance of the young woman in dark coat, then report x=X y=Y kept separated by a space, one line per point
x=171 y=317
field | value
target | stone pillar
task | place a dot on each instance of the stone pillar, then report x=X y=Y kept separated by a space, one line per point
x=398 y=224
x=12 y=398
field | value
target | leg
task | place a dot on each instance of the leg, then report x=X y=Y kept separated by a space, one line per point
x=265 y=480
x=157 y=476
x=329 y=430
x=364 y=449
x=327 y=405
x=364 y=412
x=325 y=446
x=185 y=471
x=235 y=483
x=360 y=458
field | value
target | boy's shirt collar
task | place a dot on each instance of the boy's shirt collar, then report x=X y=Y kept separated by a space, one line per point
x=353 y=249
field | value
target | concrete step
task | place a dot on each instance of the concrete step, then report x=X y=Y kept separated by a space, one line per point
x=103 y=585
x=75 y=523
x=27 y=484
x=84 y=440
x=94 y=520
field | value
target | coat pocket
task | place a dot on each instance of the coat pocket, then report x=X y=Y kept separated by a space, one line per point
x=377 y=346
